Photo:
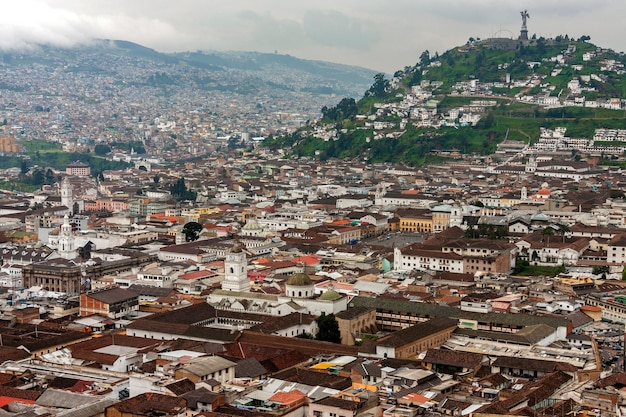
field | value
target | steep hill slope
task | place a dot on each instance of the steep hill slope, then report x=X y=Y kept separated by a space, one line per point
x=471 y=98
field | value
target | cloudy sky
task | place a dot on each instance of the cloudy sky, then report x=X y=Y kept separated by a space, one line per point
x=384 y=35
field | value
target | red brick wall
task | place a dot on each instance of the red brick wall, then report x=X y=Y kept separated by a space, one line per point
x=90 y=306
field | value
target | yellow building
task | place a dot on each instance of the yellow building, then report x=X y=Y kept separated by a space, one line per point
x=415 y=220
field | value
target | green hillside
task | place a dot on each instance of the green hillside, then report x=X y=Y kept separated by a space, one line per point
x=469 y=99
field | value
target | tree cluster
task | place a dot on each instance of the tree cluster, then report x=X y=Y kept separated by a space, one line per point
x=380 y=86
x=102 y=149
x=180 y=192
x=192 y=230
x=345 y=109
x=328 y=328
x=488 y=231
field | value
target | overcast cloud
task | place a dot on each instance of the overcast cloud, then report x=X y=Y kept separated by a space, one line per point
x=382 y=35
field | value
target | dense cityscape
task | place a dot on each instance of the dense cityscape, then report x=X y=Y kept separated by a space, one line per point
x=179 y=265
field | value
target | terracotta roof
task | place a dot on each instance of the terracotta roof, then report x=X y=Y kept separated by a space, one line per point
x=197 y=275
x=532 y=364
x=494 y=380
x=23 y=394
x=70 y=384
x=185 y=316
x=27 y=336
x=181 y=386
x=112 y=295
x=618 y=380
x=453 y=358
x=87 y=350
x=10 y=353
x=618 y=240
x=529 y=335
x=150 y=403
x=287 y=397
x=309 y=347
x=6 y=400
x=339 y=403
x=417 y=332
x=433 y=310
x=200 y=395
x=273 y=324
x=309 y=377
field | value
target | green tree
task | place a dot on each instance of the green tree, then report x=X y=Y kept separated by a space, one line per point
x=37 y=177
x=380 y=86
x=424 y=58
x=547 y=232
x=563 y=229
x=24 y=167
x=180 y=192
x=192 y=230
x=346 y=109
x=416 y=77
x=599 y=270
x=101 y=149
x=50 y=178
x=520 y=266
x=328 y=328
x=488 y=121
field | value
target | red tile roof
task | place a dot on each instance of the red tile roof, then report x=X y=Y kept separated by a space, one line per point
x=197 y=275
x=287 y=397
x=8 y=400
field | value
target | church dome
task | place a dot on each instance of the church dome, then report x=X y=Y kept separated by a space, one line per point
x=540 y=217
x=299 y=280
x=251 y=224
x=330 y=295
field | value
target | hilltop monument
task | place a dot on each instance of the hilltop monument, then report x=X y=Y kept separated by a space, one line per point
x=523 y=35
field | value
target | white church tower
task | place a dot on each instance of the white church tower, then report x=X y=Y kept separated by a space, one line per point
x=531 y=165
x=66 y=194
x=67 y=243
x=380 y=193
x=236 y=271
x=456 y=216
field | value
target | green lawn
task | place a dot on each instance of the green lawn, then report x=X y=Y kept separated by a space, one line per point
x=536 y=270
x=40 y=145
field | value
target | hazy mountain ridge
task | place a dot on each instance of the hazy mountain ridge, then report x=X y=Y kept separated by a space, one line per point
x=273 y=70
